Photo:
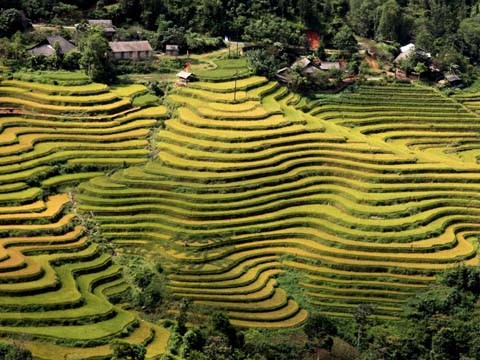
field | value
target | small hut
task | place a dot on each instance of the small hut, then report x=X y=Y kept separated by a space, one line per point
x=172 y=50
x=184 y=78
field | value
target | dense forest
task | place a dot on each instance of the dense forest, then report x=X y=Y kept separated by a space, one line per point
x=438 y=26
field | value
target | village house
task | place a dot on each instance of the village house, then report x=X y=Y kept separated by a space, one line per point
x=307 y=67
x=172 y=50
x=107 y=25
x=184 y=78
x=408 y=50
x=130 y=50
x=47 y=46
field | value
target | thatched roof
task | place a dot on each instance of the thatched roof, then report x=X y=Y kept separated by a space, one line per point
x=129 y=46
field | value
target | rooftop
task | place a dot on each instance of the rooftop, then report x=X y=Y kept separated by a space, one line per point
x=328 y=65
x=129 y=46
x=184 y=75
x=47 y=46
x=301 y=63
x=105 y=23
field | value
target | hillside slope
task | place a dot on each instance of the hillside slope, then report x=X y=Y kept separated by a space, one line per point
x=246 y=187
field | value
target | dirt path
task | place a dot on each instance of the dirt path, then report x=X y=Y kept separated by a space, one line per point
x=373 y=63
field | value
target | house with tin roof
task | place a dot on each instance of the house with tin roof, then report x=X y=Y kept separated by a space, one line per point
x=130 y=50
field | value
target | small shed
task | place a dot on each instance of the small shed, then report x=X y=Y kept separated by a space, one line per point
x=172 y=50
x=107 y=25
x=184 y=78
x=130 y=50
x=47 y=46
x=453 y=79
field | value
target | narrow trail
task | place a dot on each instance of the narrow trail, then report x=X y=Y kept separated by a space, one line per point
x=373 y=63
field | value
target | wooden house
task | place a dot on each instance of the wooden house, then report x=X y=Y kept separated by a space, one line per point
x=130 y=50
x=172 y=50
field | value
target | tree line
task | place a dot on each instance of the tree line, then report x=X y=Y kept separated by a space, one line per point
x=433 y=25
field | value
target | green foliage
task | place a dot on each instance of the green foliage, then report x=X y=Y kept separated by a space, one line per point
x=444 y=345
x=344 y=39
x=147 y=291
x=265 y=62
x=270 y=29
x=463 y=278
x=441 y=322
x=469 y=33
x=197 y=43
x=320 y=330
x=13 y=352
x=10 y=22
x=264 y=344
x=94 y=59
x=125 y=351
x=217 y=347
x=390 y=22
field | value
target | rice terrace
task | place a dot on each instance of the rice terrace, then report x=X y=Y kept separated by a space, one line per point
x=230 y=212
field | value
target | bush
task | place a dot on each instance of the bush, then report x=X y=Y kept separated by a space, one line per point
x=13 y=352
x=125 y=351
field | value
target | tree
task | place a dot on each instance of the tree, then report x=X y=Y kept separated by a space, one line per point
x=95 y=49
x=362 y=16
x=262 y=62
x=423 y=35
x=126 y=351
x=444 y=345
x=464 y=278
x=420 y=68
x=218 y=348
x=58 y=56
x=298 y=80
x=10 y=22
x=320 y=331
x=360 y=317
x=389 y=25
x=14 y=352
x=193 y=340
x=182 y=317
x=469 y=34
x=219 y=323
x=344 y=40
x=269 y=29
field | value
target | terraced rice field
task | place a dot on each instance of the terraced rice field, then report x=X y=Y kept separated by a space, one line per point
x=366 y=195
x=55 y=282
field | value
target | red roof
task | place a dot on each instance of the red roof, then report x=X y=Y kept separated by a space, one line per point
x=313 y=39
